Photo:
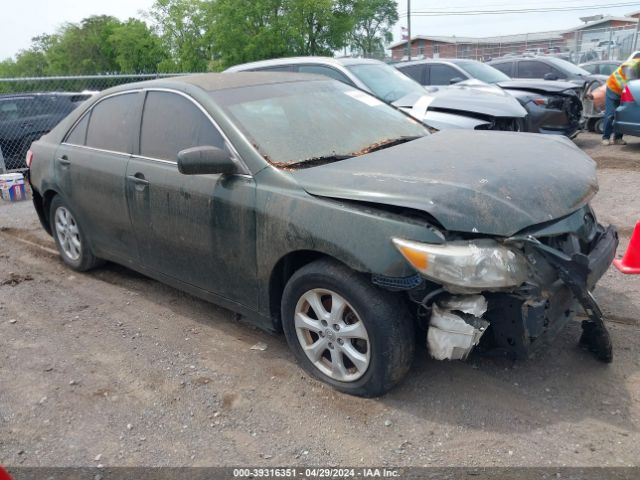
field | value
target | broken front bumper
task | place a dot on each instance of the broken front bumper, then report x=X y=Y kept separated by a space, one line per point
x=519 y=319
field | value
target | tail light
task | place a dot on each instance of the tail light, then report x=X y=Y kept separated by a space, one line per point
x=29 y=158
x=627 y=96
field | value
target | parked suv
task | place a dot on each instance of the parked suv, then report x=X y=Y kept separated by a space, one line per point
x=547 y=68
x=24 y=118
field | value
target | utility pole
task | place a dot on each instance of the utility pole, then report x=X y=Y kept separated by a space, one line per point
x=409 y=26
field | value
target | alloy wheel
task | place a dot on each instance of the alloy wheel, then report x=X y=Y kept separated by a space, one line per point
x=332 y=335
x=68 y=233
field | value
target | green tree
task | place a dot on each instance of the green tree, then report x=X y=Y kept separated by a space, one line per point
x=84 y=48
x=248 y=30
x=183 y=26
x=373 y=22
x=137 y=48
x=318 y=27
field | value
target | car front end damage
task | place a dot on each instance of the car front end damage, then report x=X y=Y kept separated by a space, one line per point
x=552 y=113
x=507 y=295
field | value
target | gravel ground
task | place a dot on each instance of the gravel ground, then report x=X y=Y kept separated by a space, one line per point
x=113 y=368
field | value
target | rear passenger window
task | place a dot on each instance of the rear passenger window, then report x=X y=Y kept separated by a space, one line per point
x=506 y=68
x=414 y=72
x=171 y=123
x=112 y=122
x=533 y=69
x=78 y=134
x=443 y=74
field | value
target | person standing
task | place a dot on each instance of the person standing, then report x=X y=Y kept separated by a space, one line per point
x=616 y=82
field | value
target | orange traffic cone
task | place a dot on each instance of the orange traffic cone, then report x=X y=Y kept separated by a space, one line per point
x=630 y=263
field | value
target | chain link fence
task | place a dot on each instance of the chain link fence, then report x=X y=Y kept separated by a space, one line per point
x=31 y=107
x=577 y=46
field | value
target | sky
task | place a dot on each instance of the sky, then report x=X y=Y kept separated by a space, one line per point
x=493 y=25
x=24 y=19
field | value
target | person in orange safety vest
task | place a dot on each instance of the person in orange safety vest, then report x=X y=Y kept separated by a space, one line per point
x=616 y=82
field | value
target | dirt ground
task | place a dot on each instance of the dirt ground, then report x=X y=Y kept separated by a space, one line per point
x=113 y=368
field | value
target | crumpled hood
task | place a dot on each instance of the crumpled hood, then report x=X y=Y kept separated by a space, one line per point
x=495 y=183
x=466 y=99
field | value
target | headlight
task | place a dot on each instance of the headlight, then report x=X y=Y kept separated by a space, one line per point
x=475 y=264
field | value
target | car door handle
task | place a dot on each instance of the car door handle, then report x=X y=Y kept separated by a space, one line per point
x=139 y=180
x=64 y=160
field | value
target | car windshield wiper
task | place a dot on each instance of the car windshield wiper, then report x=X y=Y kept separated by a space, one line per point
x=322 y=160
x=385 y=144
x=311 y=162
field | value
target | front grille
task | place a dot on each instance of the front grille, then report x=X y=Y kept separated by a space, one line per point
x=503 y=124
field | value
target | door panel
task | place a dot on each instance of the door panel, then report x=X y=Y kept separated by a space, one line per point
x=94 y=186
x=199 y=229
x=90 y=168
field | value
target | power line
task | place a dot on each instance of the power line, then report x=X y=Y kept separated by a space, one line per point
x=440 y=13
x=532 y=4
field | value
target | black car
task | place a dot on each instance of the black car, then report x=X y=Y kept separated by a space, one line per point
x=552 y=107
x=26 y=117
x=544 y=68
x=312 y=207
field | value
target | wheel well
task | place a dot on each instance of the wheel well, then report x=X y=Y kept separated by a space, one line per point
x=45 y=202
x=281 y=274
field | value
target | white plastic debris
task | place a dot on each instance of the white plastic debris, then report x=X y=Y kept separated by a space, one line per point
x=456 y=327
x=259 y=346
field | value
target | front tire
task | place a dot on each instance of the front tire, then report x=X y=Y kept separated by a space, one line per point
x=69 y=237
x=345 y=331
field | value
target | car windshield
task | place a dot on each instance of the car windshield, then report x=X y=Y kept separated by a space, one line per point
x=314 y=122
x=483 y=72
x=568 y=66
x=385 y=82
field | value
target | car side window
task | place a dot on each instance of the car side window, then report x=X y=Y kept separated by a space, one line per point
x=277 y=68
x=78 y=134
x=415 y=72
x=14 y=109
x=111 y=123
x=443 y=74
x=506 y=68
x=326 y=71
x=590 y=68
x=171 y=123
x=533 y=69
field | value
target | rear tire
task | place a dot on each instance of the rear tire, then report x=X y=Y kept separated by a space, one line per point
x=345 y=331
x=69 y=237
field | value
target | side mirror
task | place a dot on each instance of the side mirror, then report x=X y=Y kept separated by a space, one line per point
x=205 y=160
x=455 y=80
x=550 y=76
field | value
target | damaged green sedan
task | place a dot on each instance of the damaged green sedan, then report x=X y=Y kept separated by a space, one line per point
x=311 y=207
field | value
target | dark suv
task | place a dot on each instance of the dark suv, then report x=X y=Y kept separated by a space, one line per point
x=546 y=68
x=24 y=118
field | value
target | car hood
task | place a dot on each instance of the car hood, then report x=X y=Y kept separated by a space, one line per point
x=494 y=183
x=538 y=86
x=465 y=100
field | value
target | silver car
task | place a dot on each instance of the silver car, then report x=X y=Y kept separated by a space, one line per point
x=438 y=107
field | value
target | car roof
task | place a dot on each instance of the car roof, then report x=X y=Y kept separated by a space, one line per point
x=453 y=61
x=211 y=82
x=30 y=95
x=329 y=61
